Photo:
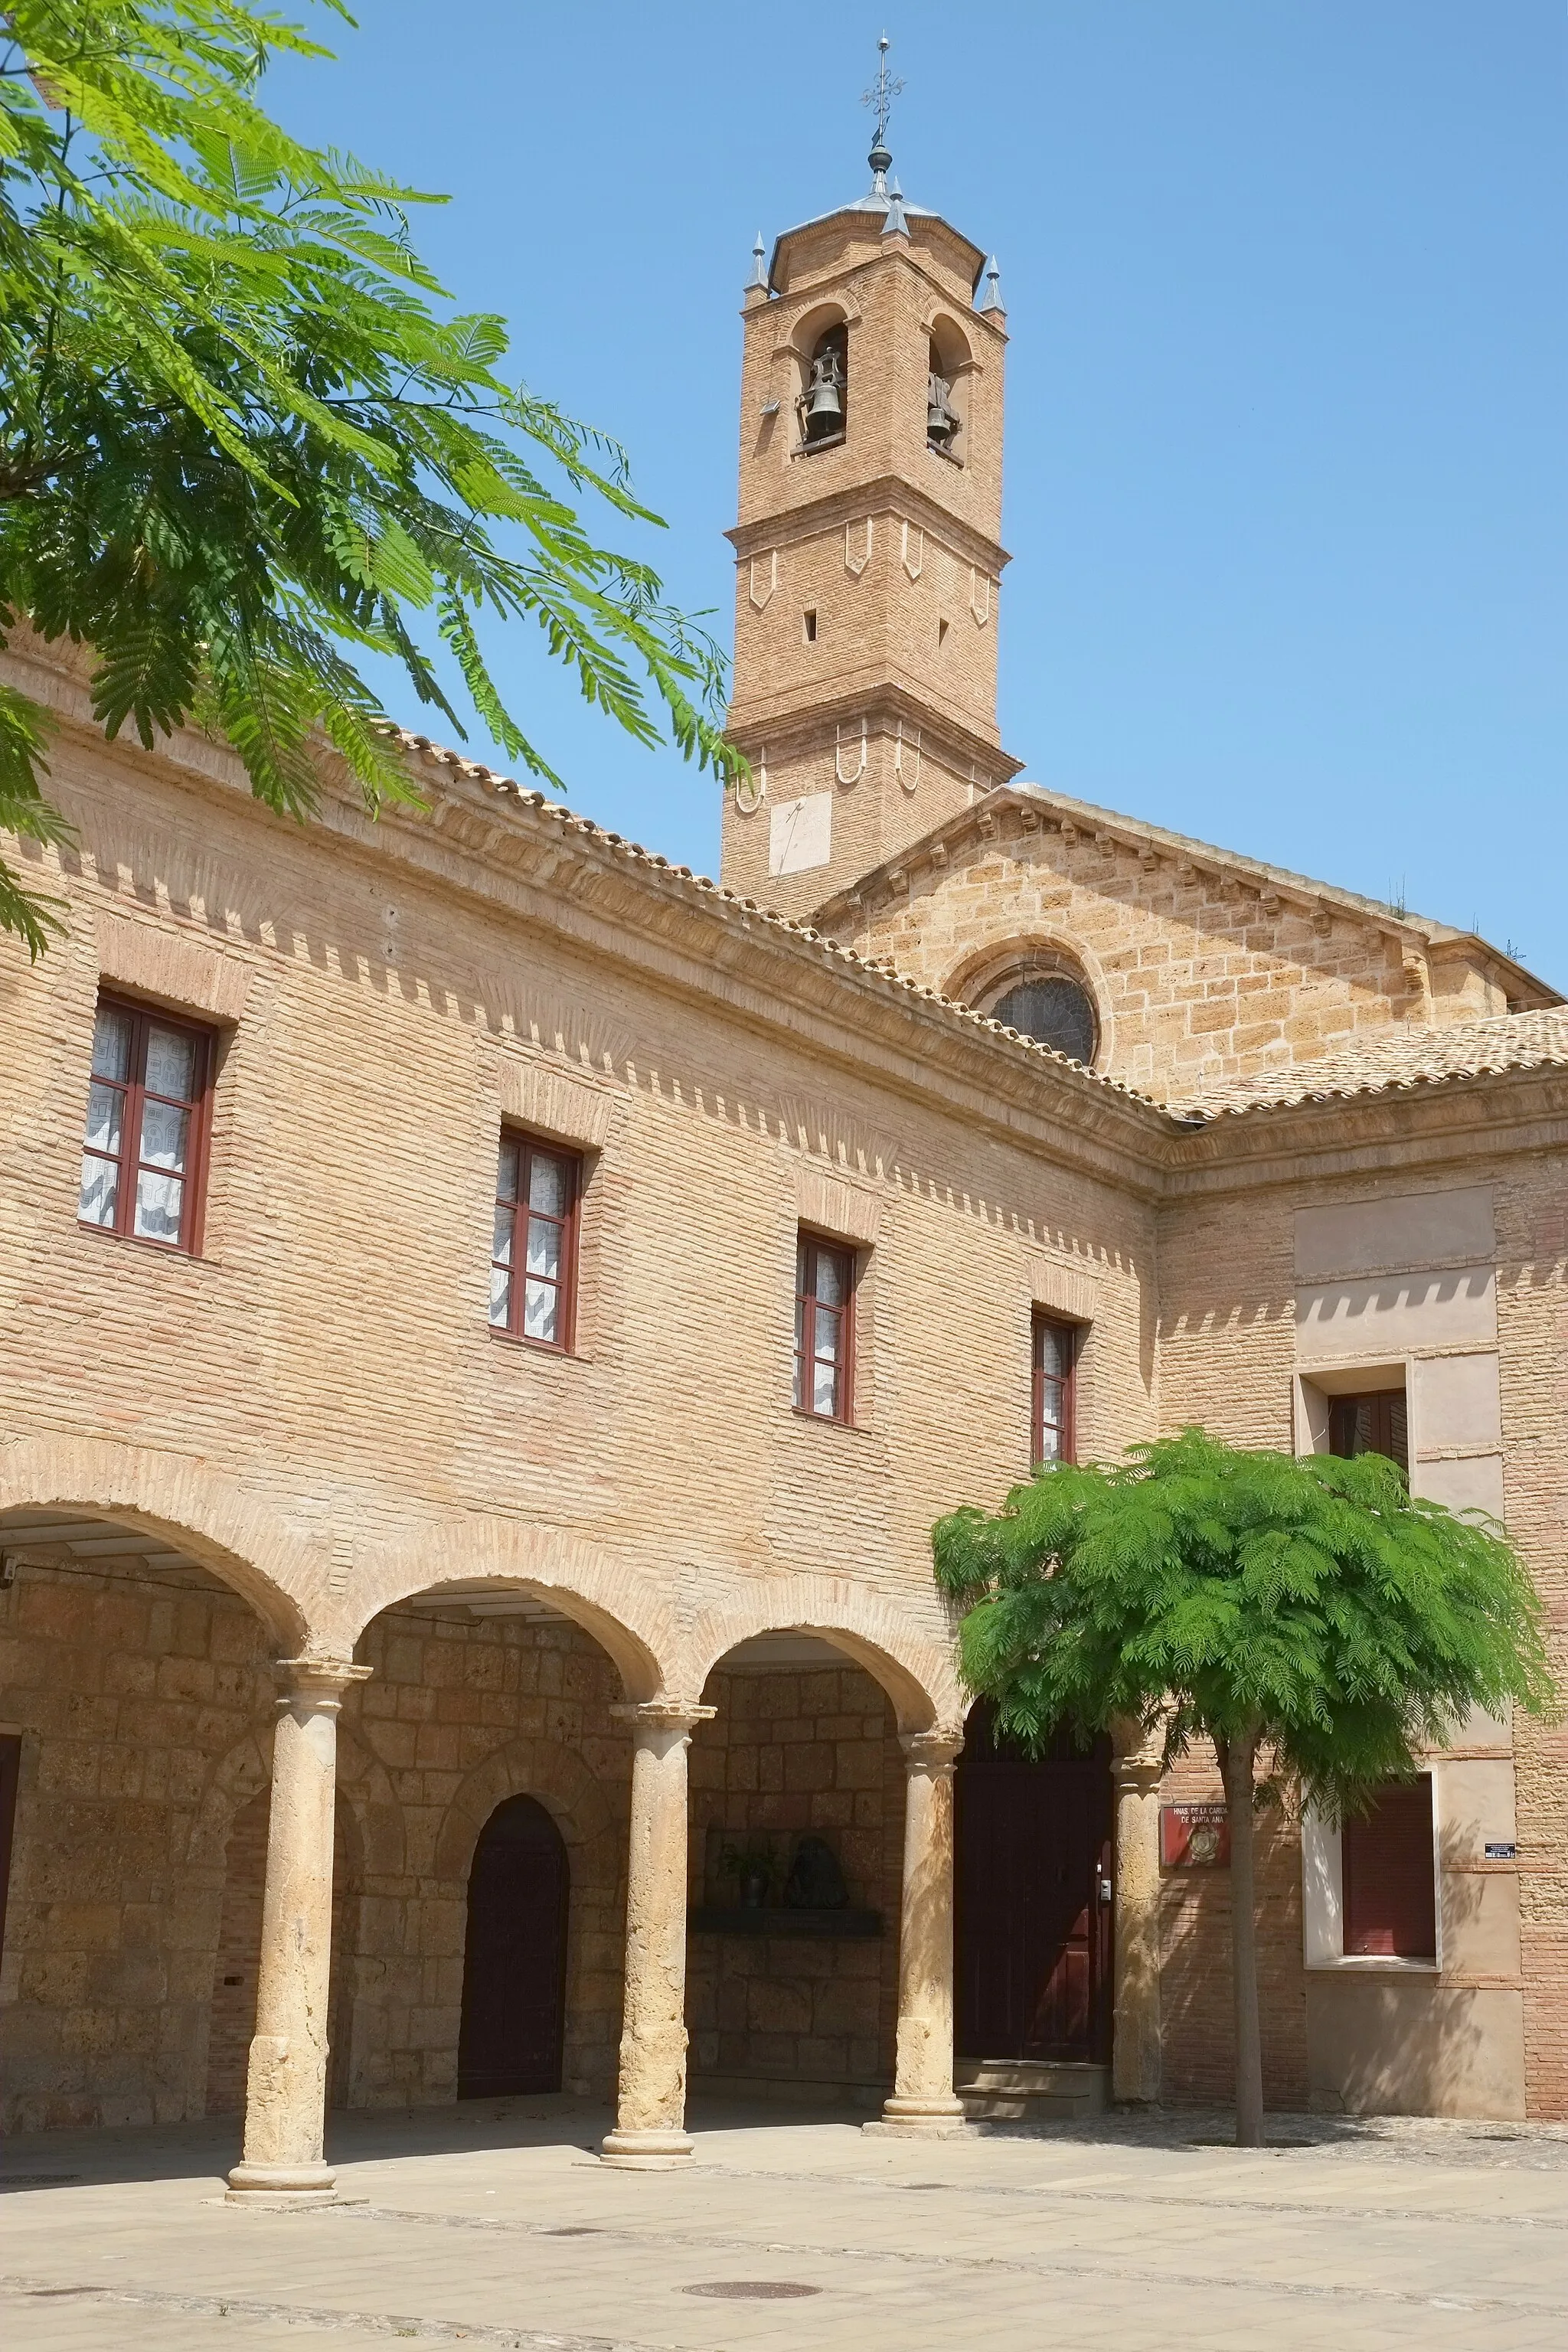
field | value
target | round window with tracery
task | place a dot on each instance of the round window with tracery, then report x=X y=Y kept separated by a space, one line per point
x=1052 y=1007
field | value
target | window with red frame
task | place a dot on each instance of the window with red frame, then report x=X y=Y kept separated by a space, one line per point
x=1389 y=1888
x=1055 y=1356
x=142 y=1159
x=824 y=1328
x=533 y=1258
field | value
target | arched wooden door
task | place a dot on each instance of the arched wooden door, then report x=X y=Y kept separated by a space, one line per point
x=514 y=1963
x=1032 y=1883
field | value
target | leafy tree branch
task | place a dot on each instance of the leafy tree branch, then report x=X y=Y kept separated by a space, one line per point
x=244 y=436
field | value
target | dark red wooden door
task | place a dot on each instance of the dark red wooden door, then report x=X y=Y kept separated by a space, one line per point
x=514 y=1964
x=1033 y=1929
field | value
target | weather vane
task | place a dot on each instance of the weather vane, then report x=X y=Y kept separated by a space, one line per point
x=882 y=93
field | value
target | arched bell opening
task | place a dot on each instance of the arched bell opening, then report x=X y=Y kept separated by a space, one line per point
x=1032 y=1898
x=136 y=1670
x=795 y=1857
x=948 y=364
x=823 y=406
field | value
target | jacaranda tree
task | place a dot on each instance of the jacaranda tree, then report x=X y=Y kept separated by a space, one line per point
x=244 y=440
x=1310 y=1616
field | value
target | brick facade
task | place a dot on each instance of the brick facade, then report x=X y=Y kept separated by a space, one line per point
x=304 y=1441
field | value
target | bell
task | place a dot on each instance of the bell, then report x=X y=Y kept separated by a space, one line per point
x=940 y=423
x=822 y=401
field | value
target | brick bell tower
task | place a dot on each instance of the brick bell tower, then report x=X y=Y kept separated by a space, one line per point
x=868 y=555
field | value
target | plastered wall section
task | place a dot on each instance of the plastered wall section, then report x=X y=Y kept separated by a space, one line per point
x=1455 y=1293
x=1196 y=975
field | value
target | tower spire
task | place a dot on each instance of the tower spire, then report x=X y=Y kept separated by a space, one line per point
x=880 y=98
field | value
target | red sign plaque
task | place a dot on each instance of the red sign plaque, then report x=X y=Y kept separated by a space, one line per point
x=1195 y=1837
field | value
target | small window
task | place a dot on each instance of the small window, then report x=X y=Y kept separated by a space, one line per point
x=533 y=1261
x=824 y=1328
x=143 y=1151
x=1390 y=1890
x=1052 y=1007
x=808 y=625
x=1055 y=1356
x=1376 y=1423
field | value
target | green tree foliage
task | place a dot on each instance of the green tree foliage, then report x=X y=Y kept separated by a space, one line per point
x=1308 y=1611
x=244 y=441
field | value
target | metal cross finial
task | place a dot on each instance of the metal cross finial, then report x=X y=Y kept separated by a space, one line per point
x=880 y=97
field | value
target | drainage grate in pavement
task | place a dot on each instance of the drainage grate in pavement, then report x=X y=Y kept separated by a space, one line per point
x=38 y=2179
x=750 y=2290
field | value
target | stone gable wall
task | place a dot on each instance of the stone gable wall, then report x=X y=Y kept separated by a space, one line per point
x=1196 y=975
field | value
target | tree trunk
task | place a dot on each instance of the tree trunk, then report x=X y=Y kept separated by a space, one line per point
x=1238 y=1763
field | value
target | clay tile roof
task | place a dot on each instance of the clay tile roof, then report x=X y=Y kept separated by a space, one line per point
x=421 y=747
x=1399 y=1057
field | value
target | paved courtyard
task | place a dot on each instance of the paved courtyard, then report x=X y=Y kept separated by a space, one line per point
x=493 y=2224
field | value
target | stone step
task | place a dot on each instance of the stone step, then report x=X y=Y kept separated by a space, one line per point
x=1015 y=2090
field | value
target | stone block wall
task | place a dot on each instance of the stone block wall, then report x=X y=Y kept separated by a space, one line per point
x=132 y=1690
x=459 y=1716
x=1200 y=972
x=145 y=1699
x=788 y=1753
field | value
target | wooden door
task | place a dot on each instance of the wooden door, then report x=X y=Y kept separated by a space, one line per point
x=1032 y=1926
x=514 y=1966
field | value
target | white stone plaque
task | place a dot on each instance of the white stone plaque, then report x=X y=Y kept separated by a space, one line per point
x=800 y=833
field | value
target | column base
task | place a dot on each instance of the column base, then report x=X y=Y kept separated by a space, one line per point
x=282 y=2185
x=938 y=2118
x=645 y=2151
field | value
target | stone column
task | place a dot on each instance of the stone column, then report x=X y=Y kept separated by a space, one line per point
x=650 y=2107
x=285 y=2085
x=1135 y=2045
x=924 y=2100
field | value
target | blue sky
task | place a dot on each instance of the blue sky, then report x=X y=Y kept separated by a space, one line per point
x=1287 y=486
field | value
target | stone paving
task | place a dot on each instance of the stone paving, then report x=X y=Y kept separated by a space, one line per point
x=493 y=2224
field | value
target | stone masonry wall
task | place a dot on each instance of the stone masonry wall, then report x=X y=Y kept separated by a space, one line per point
x=145 y=1702
x=1198 y=975
x=131 y=1690
x=799 y=2016
x=457 y=1717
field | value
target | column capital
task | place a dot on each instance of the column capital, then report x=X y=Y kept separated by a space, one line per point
x=1139 y=1757
x=319 y=1681
x=935 y=1753
x=648 y=1716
